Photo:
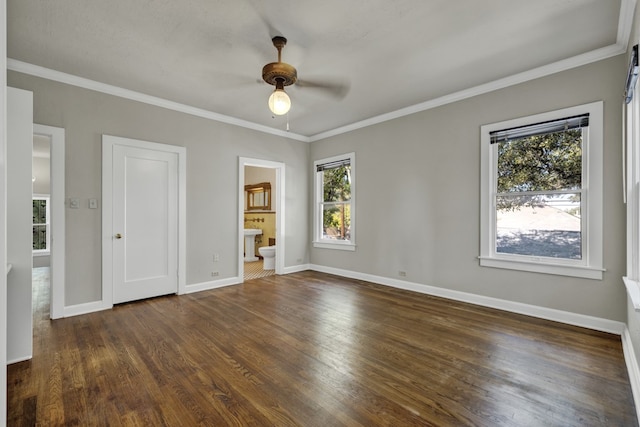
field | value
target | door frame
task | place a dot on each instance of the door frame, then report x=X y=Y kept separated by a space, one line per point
x=57 y=262
x=108 y=142
x=279 y=203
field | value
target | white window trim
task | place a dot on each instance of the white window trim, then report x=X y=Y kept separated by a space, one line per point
x=631 y=157
x=591 y=264
x=44 y=252
x=318 y=241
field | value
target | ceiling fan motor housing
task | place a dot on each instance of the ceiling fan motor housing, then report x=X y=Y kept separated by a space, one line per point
x=279 y=71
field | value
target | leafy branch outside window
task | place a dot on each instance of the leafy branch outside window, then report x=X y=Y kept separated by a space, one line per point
x=541 y=163
x=40 y=224
x=337 y=206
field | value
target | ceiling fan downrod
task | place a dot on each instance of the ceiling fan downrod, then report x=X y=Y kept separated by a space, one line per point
x=276 y=72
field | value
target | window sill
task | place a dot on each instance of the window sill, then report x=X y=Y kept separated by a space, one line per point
x=41 y=253
x=338 y=246
x=593 y=273
x=633 y=290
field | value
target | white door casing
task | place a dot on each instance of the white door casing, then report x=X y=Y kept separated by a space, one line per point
x=279 y=208
x=143 y=219
x=3 y=213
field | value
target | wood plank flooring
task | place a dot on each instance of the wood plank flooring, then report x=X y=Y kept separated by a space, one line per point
x=310 y=349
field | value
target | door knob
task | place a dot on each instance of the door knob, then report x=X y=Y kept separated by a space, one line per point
x=118 y=236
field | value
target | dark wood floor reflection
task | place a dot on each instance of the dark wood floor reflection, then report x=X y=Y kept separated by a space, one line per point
x=310 y=349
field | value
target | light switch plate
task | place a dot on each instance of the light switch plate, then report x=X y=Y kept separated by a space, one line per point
x=74 y=203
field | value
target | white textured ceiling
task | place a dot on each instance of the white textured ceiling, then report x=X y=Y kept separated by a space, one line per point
x=391 y=54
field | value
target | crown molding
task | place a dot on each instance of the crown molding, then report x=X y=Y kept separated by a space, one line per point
x=556 y=67
x=70 y=79
x=625 y=25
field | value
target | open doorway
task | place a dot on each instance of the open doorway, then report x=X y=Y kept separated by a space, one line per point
x=49 y=215
x=41 y=242
x=260 y=220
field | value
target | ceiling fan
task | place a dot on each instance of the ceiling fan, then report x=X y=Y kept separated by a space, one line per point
x=281 y=74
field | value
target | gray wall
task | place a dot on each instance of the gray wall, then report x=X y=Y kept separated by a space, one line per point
x=213 y=149
x=418 y=195
x=418 y=188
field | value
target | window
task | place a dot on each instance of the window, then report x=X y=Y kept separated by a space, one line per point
x=631 y=151
x=41 y=221
x=334 y=195
x=541 y=201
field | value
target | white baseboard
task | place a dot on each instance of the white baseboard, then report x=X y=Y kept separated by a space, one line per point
x=297 y=268
x=575 y=319
x=214 y=284
x=20 y=359
x=632 y=368
x=89 y=307
x=590 y=322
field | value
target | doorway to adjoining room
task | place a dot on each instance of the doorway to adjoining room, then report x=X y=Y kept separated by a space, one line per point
x=260 y=219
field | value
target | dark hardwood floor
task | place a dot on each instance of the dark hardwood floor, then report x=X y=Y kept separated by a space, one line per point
x=310 y=349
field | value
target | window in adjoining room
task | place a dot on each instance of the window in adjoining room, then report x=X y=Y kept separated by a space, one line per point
x=542 y=193
x=334 y=196
x=41 y=234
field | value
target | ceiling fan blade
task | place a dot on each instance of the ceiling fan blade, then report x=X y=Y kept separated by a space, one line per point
x=262 y=14
x=335 y=88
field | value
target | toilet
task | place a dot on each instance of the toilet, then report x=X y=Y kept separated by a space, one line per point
x=269 y=255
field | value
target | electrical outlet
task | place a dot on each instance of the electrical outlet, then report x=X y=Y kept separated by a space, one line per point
x=216 y=257
x=402 y=273
x=215 y=274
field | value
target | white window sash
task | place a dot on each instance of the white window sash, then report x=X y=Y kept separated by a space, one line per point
x=318 y=238
x=47 y=224
x=590 y=266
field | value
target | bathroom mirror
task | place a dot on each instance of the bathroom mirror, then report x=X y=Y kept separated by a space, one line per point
x=258 y=196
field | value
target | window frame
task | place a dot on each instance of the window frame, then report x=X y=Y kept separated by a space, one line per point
x=318 y=201
x=591 y=264
x=631 y=175
x=47 y=198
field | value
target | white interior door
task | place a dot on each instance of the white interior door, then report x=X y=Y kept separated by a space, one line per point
x=145 y=223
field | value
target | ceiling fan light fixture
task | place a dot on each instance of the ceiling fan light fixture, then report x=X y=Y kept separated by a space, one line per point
x=279 y=74
x=279 y=101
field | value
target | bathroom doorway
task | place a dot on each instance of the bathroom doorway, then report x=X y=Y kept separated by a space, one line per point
x=261 y=213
